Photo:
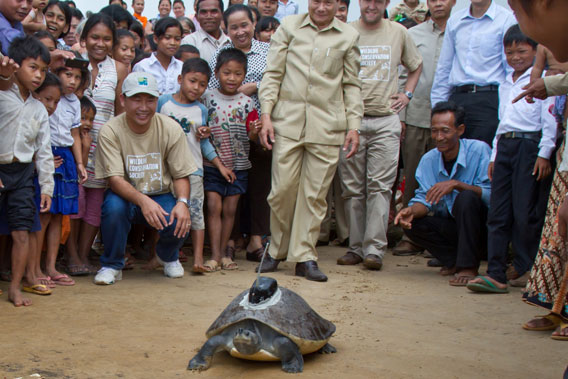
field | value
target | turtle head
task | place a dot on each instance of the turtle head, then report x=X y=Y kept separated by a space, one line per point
x=246 y=341
x=262 y=289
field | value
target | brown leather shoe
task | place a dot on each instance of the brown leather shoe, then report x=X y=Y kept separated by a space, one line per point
x=406 y=248
x=349 y=259
x=373 y=262
x=269 y=264
x=310 y=271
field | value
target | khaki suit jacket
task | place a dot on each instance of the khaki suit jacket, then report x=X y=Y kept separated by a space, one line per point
x=311 y=87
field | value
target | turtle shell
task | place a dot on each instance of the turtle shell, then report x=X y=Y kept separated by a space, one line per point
x=287 y=313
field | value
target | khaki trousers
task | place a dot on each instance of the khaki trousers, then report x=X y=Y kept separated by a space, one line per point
x=367 y=179
x=418 y=141
x=301 y=176
x=334 y=197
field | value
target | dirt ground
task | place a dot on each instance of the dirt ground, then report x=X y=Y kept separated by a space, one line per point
x=402 y=322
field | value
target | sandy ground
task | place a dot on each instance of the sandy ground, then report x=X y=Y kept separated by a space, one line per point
x=402 y=322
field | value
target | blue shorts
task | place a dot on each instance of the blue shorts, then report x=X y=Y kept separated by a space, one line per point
x=215 y=182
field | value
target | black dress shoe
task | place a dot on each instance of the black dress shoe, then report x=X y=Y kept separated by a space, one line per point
x=269 y=264
x=310 y=271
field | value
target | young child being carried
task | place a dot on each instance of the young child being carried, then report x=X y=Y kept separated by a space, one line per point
x=230 y=115
x=191 y=115
x=520 y=163
x=24 y=132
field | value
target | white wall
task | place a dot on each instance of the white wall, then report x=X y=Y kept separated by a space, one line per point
x=151 y=9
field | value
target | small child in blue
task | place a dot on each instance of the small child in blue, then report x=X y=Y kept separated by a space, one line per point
x=231 y=113
x=184 y=107
x=66 y=147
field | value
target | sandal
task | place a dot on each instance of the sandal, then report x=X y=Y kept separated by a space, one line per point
x=77 y=270
x=228 y=264
x=563 y=325
x=38 y=289
x=63 y=280
x=255 y=256
x=230 y=252
x=46 y=281
x=554 y=319
x=211 y=266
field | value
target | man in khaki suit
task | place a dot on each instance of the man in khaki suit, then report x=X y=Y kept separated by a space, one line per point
x=310 y=97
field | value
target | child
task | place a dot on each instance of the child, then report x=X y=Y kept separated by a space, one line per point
x=35 y=20
x=24 y=128
x=230 y=114
x=65 y=143
x=58 y=19
x=14 y=12
x=162 y=64
x=265 y=28
x=138 y=8
x=124 y=50
x=186 y=52
x=412 y=9
x=78 y=263
x=184 y=107
x=525 y=140
x=47 y=39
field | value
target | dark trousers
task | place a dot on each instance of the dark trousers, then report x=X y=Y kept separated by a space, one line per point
x=515 y=211
x=457 y=241
x=481 y=114
x=259 y=188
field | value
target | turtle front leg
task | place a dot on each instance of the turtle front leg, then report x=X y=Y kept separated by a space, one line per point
x=202 y=360
x=292 y=360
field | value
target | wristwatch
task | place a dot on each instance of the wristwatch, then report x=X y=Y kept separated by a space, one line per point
x=408 y=94
x=183 y=200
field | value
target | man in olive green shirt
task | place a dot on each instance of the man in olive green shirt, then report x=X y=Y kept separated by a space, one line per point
x=310 y=97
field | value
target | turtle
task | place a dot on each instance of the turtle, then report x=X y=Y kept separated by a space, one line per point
x=267 y=323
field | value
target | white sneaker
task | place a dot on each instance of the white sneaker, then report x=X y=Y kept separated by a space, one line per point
x=173 y=269
x=107 y=275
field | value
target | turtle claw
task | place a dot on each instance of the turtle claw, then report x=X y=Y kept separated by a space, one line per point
x=327 y=349
x=198 y=364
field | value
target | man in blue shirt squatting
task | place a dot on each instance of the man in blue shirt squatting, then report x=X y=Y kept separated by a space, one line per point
x=448 y=213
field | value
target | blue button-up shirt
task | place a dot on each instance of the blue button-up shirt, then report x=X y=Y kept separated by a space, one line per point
x=8 y=32
x=472 y=52
x=286 y=9
x=470 y=168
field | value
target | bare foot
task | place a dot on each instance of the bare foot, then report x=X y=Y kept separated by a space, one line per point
x=561 y=331
x=198 y=268
x=495 y=283
x=152 y=264
x=539 y=322
x=15 y=296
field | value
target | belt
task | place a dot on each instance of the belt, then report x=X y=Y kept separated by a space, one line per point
x=472 y=88
x=534 y=136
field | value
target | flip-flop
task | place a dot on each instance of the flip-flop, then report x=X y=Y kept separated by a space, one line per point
x=563 y=325
x=255 y=256
x=228 y=264
x=47 y=279
x=554 y=319
x=38 y=289
x=211 y=266
x=486 y=287
x=460 y=280
x=59 y=280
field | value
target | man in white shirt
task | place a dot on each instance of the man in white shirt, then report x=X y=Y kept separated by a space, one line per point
x=209 y=37
x=472 y=65
x=286 y=8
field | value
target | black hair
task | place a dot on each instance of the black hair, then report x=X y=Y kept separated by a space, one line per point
x=140 y=56
x=179 y=1
x=196 y=65
x=87 y=105
x=221 y=6
x=137 y=28
x=41 y=34
x=28 y=47
x=153 y=44
x=66 y=11
x=234 y=9
x=94 y=20
x=118 y=14
x=163 y=24
x=266 y=23
x=71 y=2
x=76 y=13
x=160 y=2
x=51 y=80
x=231 y=54
x=85 y=73
x=186 y=49
x=121 y=33
x=515 y=35
x=450 y=106
x=346 y=2
x=257 y=15
x=188 y=21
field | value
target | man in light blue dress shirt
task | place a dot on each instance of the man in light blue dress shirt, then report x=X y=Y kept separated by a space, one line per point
x=286 y=8
x=448 y=214
x=472 y=65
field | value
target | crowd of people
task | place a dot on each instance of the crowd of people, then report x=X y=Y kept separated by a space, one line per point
x=121 y=130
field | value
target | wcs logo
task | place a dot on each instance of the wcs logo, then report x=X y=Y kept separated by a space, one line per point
x=143 y=81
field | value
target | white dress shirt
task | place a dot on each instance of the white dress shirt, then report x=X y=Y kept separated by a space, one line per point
x=525 y=117
x=206 y=43
x=291 y=7
x=24 y=127
x=167 y=79
x=67 y=116
x=472 y=52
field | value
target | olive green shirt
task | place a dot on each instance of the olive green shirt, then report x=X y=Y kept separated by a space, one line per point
x=310 y=86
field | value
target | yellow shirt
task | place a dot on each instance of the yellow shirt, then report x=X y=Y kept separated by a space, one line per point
x=310 y=86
